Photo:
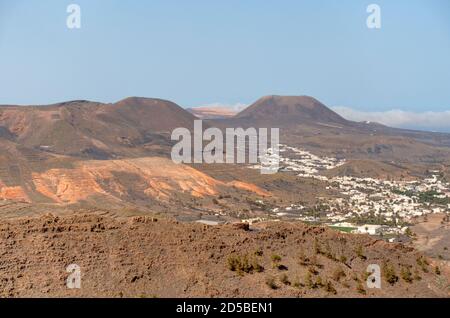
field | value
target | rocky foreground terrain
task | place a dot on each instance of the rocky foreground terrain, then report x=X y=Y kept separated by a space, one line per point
x=160 y=257
x=79 y=158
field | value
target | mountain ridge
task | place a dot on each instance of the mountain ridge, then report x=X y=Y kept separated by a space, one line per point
x=42 y=144
x=289 y=109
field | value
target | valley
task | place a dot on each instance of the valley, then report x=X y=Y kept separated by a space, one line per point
x=94 y=183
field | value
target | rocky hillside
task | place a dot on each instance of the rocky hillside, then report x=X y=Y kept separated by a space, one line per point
x=117 y=154
x=151 y=257
x=285 y=110
x=129 y=128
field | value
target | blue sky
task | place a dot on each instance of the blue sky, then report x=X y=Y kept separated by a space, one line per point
x=199 y=52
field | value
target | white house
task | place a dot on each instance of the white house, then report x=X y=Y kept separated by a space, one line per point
x=368 y=229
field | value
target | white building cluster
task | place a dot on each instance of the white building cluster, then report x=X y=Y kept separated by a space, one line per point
x=301 y=161
x=377 y=200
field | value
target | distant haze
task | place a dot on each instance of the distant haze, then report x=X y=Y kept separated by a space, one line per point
x=430 y=121
x=234 y=51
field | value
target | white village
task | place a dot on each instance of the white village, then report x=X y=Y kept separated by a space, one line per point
x=365 y=205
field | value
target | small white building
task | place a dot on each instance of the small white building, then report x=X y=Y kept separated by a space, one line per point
x=368 y=229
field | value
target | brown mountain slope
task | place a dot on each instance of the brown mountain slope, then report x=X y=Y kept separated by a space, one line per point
x=91 y=154
x=306 y=123
x=289 y=110
x=373 y=169
x=286 y=112
x=49 y=153
x=139 y=180
x=148 y=257
x=148 y=114
x=140 y=127
x=131 y=127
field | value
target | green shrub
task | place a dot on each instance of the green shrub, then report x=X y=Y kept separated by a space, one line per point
x=319 y=282
x=317 y=247
x=243 y=264
x=285 y=280
x=297 y=283
x=303 y=259
x=314 y=262
x=360 y=252
x=313 y=270
x=259 y=252
x=309 y=282
x=437 y=270
x=338 y=274
x=330 y=288
x=409 y=233
x=423 y=263
x=276 y=258
x=417 y=275
x=270 y=281
x=390 y=274
x=360 y=288
x=365 y=276
x=406 y=274
x=328 y=253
